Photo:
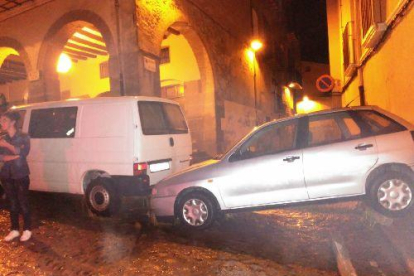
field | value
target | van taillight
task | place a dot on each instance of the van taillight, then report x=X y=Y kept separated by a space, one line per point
x=140 y=168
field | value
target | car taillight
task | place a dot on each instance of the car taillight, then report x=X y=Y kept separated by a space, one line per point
x=140 y=168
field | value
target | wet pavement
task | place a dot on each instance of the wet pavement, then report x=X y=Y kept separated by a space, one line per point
x=286 y=241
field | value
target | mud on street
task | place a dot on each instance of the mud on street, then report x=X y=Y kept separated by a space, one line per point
x=287 y=241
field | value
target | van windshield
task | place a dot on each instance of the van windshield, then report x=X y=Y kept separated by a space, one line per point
x=161 y=118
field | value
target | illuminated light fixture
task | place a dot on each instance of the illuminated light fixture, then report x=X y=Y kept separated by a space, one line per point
x=306 y=105
x=256 y=45
x=295 y=85
x=250 y=55
x=64 y=64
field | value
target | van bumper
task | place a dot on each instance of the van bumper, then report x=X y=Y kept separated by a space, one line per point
x=132 y=185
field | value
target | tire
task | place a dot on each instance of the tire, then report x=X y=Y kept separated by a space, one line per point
x=101 y=198
x=392 y=193
x=196 y=211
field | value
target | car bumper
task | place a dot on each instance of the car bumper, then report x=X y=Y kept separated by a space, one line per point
x=163 y=206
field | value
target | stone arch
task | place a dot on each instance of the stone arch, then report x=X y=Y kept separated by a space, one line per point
x=16 y=45
x=207 y=84
x=57 y=36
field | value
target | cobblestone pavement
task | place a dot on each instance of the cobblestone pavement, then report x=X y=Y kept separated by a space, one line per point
x=287 y=241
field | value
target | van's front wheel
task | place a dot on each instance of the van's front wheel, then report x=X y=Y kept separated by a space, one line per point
x=102 y=198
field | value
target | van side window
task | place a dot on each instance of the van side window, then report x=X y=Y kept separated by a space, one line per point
x=378 y=124
x=161 y=118
x=53 y=122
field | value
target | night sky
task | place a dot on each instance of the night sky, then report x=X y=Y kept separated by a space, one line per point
x=310 y=25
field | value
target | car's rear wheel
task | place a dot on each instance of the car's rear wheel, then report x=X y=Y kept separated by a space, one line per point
x=102 y=198
x=392 y=193
x=196 y=211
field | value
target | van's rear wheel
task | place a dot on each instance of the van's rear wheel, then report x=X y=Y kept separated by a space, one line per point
x=102 y=198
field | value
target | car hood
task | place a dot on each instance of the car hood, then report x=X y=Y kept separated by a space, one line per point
x=195 y=172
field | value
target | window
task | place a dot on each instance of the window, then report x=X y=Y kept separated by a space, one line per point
x=175 y=119
x=371 y=13
x=20 y=123
x=104 y=70
x=378 y=124
x=271 y=140
x=348 y=49
x=53 y=123
x=332 y=128
x=161 y=118
x=165 y=55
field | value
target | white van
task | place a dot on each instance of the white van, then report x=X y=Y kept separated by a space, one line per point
x=105 y=148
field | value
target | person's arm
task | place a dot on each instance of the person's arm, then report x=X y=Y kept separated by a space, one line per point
x=7 y=158
x=22 y=150
x=10 y=147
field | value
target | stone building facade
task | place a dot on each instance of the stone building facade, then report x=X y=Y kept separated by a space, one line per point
x=370 y=49
x=234 y=89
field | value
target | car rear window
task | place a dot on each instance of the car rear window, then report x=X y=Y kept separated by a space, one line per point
x=379 y=124
x=161 y=118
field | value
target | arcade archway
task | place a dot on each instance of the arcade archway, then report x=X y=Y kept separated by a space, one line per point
x=186 y=76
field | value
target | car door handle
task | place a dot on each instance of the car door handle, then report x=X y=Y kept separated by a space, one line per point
x=172 y=142
x=291 y=159
x=364 y=146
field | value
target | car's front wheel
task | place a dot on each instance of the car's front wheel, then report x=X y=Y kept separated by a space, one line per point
x=196 y=211
x=102 y=198
x=391 y=193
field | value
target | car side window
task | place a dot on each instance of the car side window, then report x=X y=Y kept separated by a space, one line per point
x=332 y=128
x=378 y=124
x=273 y=139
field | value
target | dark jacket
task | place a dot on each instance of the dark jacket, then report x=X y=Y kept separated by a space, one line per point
x=16 y=169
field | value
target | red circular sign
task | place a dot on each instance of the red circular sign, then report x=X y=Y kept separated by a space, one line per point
x=325 y=83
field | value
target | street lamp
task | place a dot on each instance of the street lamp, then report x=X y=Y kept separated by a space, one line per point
x=255 y=46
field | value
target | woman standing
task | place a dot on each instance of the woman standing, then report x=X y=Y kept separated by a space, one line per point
x=14 y=148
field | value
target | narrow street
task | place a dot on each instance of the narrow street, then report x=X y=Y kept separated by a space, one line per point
x=286 y=241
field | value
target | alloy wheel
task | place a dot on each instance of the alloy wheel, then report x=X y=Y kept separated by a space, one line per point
x=195 y=212
x=395 y=195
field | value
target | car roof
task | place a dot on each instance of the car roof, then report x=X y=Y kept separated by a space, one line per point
x=70 y=102
x=321 y=112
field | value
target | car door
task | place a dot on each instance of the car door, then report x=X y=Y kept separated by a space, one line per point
x=338 y=155
x=265 y=169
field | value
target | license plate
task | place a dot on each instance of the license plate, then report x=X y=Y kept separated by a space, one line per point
x=159 y=167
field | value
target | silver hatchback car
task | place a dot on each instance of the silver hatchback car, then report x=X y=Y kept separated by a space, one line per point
x=323 y=155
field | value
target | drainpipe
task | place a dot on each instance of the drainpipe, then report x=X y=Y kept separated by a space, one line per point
x=120 y=61
x=358 y=52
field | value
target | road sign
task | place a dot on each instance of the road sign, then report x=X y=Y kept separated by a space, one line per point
x=325 y=83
